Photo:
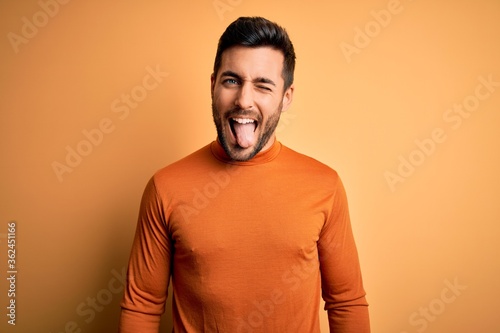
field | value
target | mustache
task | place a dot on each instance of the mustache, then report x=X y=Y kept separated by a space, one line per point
x=238 y=112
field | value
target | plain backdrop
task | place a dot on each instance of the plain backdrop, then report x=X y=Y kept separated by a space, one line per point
x=402 y=98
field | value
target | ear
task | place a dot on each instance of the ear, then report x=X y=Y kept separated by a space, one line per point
x=212 y=84
x=287 y=98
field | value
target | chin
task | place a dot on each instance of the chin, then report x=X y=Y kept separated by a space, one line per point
x=237 y=153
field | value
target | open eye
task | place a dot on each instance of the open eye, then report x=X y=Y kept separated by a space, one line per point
x=230 y=81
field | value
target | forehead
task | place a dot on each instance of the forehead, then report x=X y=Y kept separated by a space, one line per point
x=253 y=62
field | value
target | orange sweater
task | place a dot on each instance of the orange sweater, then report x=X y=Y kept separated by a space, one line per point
x=250 y=247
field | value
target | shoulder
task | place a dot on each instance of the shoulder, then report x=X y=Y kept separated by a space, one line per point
x=306 y=171
x=188 y=165
x=301 y=161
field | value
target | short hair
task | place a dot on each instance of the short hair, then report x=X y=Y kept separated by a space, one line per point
x=256 y=32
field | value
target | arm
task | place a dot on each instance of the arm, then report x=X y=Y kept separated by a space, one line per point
x=342 y=285
x=149 y=268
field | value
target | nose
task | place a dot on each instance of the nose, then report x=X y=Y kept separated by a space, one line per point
x=244 y=98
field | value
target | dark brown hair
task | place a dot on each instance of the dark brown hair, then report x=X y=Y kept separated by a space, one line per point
x=257 y=32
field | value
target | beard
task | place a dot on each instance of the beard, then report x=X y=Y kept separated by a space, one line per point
x=266 y=130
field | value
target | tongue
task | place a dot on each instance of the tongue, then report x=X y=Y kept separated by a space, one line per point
x=245 y=135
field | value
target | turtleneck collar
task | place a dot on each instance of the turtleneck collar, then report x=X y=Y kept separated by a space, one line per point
x=262 y=157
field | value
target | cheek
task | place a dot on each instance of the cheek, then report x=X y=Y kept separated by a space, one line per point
x=223 y=98
x=269 y=104
x=226 y=96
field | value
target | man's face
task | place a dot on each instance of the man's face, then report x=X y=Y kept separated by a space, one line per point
x=248 y=98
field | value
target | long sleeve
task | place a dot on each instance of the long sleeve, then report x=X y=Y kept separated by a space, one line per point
x=242 y=252
x=149 y=268
x=342 y=285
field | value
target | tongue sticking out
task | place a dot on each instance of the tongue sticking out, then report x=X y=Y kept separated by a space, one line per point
x=245 y=134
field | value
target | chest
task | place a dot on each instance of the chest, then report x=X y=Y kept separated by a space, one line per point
x=238 y=219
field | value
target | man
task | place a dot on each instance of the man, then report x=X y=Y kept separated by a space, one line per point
x=251 y=232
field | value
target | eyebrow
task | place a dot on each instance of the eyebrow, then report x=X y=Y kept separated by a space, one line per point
x=259 y=79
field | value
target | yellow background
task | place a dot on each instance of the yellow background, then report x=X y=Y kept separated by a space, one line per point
x=361 y=112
